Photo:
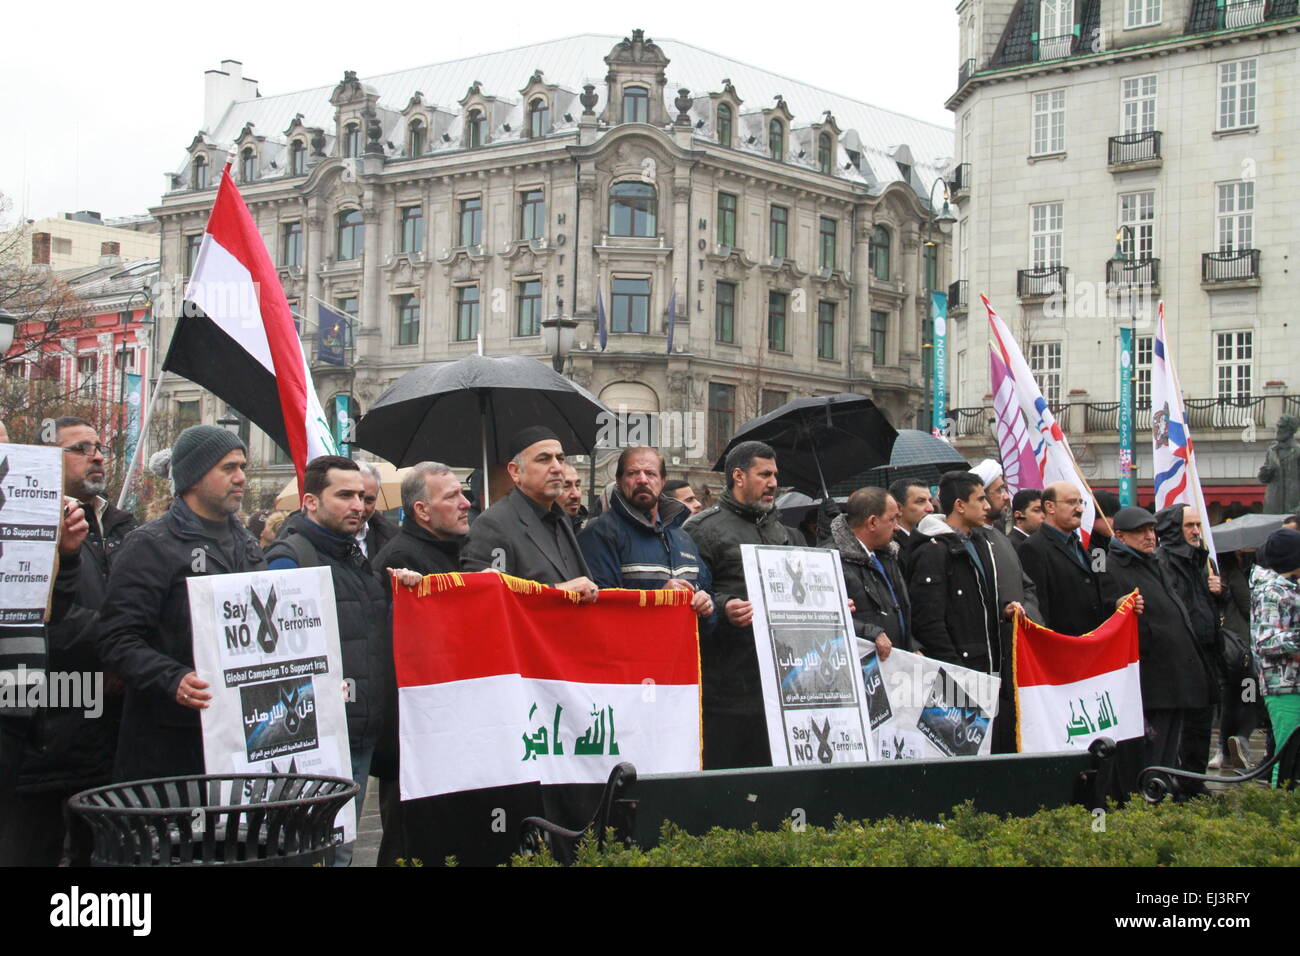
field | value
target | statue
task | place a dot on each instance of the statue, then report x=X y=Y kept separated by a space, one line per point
x=1281 y=471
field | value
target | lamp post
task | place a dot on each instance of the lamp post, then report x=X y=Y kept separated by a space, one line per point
x=557 y=336
x=944 y=219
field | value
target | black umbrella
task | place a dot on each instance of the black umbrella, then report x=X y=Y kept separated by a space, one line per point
x=1248 y=531
x=465 y=412
x=820 y=440
x=917 y=455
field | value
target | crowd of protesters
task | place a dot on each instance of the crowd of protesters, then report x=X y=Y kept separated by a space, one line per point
x=941 y=572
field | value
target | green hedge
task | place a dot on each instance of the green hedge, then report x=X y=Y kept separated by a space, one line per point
x=1255 y=827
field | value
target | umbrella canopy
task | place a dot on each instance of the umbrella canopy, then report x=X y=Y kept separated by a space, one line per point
x=1248 y=531
x=820 y=440
x=917 y=455
x=390 y=489
x=464 y=413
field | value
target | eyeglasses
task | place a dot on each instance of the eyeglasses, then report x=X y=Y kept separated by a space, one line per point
x=89 y=449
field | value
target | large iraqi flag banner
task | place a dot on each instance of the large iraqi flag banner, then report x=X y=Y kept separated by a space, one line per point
x=504 y=682
x=1071 y=690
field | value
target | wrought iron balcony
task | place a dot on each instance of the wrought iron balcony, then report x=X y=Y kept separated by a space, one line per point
x=1243 y=14
x=1205 y=413
x=1230 y=266
x=958 y=296
x=1133 y=272
x=1054 y=48
x=970 y=421
x=964 y=73
x=960 y=182
x=1133 y=148
x=1037 y=283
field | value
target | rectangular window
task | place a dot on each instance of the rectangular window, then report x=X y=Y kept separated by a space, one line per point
x=125 y=359
x=1138 y=212
x=1055 y=29
x=776 y=311
x=528 y=307
x=879 y=336
x=1049 y=122
x=87 y=375
x=1143 y=350
x=778 y=232
x=1142 y=13
x=347 y=304
x=1234 y=363
x=192 y=244
x=630 y=305
x=412 y=229
x=1138 y=103
x=724 y=320
x=471 y=221
x=1234 y=223
x=291 y=244
x=771 y=400
x=187 y=414
x=826 y=330
x=826 y=243
x=1045 y=363
x=1046 y=229
x=1237 y=94
x=726 y=219
x=532 y=214
x=722 y=417
x=466 y=313
x=408 y=320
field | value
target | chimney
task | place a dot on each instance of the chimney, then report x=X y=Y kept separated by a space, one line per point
x=110 y=253
x=223 y=87
x=40 y=248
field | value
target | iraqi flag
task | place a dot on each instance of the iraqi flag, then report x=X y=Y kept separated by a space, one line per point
x=513 y=697
x=236 y=338
x=1072 y=690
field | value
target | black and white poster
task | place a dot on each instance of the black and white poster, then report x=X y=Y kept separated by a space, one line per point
x=31 y=509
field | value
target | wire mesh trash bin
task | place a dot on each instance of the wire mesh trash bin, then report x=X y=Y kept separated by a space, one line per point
x=254 y=819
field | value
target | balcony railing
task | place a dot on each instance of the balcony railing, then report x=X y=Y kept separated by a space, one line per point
x=1133 y=272
x=1230 y=266
x=1034 y=283
x=960 y=181
x=1054 y=48
x=1291 y=404
x=970 y=421
x=958 y=297
x=1243 y=14
x=1204 y=413
x=1102 y=418
x=964 y=73
x=1133 y=148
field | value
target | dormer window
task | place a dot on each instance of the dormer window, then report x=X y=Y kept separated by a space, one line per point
x=776 y=140
x=636 y=104
x=415 y=138
x=199 y=173
x=724 y=125
x=247 y=165
x=352 y=140
x=297 y=158
x=539 y=118
x=475 y=129
x=825 y=153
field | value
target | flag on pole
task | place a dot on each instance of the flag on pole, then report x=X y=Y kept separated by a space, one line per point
x=602 y=327
x=235 y=336
x=1072 y=690
x=1051 y=449
x=1019 y=466
x=1173 y=455
x=672 y=317
x=335 y=330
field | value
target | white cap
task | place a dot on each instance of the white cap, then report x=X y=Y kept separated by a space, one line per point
x=988 y=470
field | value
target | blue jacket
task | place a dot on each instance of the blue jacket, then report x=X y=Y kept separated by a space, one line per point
x=624 y=550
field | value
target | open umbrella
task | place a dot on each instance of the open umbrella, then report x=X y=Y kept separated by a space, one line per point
x=917 y=455
x=1248 y=531
x=820 y=440
x=465 y=412
x=390 y=490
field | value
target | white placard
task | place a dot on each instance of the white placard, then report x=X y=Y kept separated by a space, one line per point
x=31 y=509
x=267 y=643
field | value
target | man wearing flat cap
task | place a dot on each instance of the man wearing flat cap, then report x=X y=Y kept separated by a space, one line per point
x=526 y=533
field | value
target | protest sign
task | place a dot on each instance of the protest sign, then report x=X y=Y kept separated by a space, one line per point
x=31 y=509
x=268 y=644
x=922 y=708
x=812 y=687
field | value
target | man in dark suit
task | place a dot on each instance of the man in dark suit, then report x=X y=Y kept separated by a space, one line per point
x=1069 y=590
x=376 y=529
x=526 y=534
x=1026 y=515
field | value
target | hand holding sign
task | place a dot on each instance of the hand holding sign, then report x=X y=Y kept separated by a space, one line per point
x=192 y=692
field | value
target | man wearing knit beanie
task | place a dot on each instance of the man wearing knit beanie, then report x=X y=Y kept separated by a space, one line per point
x=197 y=449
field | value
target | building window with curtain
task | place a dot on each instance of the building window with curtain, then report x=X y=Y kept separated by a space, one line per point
x=350 y=237
x=630 y=306
x=826 y=243
x=632 y=207
x=408 y=320
x=878 y=253
x=471 y=221
x=778 y=246
x=636 y=104
x=532 y=214
x=776 y=315
x=724 y=319
x=726 y=219
x=528 y=307
x=412 y=238
x=826 y=330
x=291 y=244
x=467 y=303
x=879 y=336
x=722 y=417
x=724 y=124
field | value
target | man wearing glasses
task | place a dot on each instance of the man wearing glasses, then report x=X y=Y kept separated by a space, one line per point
x=1069 y=589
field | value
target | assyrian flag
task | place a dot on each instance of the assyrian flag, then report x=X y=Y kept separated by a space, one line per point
x=236 y=338
x=1072 y=690
x=1173 y=455
x=1050 y=446
x=1019 y=466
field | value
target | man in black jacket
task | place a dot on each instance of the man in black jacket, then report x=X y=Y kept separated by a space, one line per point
x=1068 y=588
x=376 y=528
x=145 y=636
x=735 y=724
x=873 y=581
x=1173 y=677
x=1026 y=515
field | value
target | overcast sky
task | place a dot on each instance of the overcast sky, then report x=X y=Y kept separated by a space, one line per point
x=99 y=100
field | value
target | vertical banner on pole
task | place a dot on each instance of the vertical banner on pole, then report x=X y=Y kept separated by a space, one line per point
x=343 y=423
x=939 y=321
x=1127 y=492
x=134 y=402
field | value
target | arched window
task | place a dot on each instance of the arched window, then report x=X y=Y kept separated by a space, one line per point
x=475 y=128
x=539 y=118
x=632 y=207
x=350 y=235
x=247 y=165
x=636 y=104
x=776 y=140
x=878 y=252
x=352 y=140
x=724 y=124
x=199 y=173
x=825 y=153
x=297 y=158
x=415 y=138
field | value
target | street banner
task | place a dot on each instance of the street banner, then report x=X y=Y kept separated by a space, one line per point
x=939 y=322
x=335 y=329
x=134 y=402
x=503 y=681
x=1072 y=690
x=812 y=686
x=31 y=510
x=1127 y=492
x=267 y=643
x=1019 y=466
x=922 y=708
